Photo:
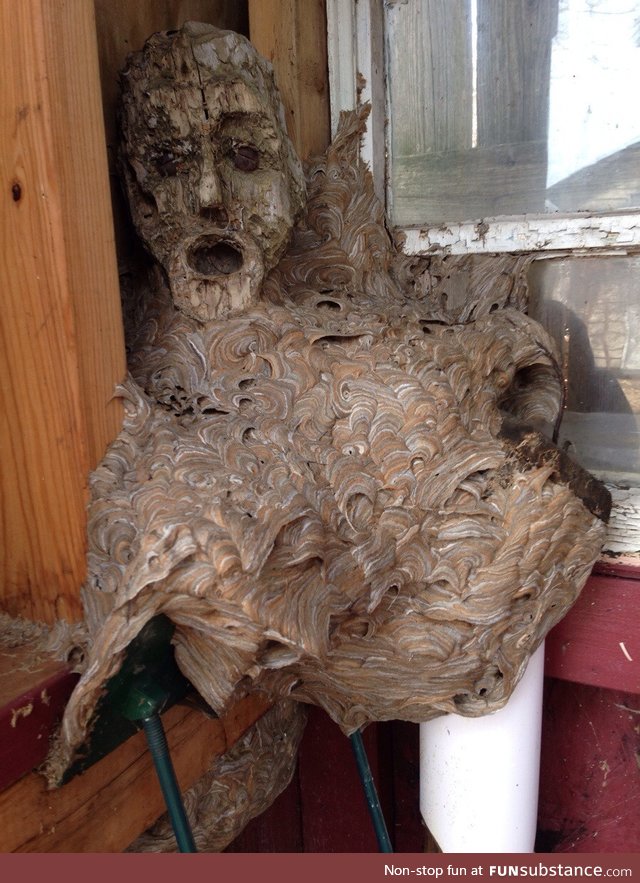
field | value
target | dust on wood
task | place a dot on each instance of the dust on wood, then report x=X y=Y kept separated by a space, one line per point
x=17 y=713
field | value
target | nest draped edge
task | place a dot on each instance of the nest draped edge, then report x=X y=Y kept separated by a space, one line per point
x=320 y=494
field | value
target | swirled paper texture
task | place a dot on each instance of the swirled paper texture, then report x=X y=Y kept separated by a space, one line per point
x=338 y=492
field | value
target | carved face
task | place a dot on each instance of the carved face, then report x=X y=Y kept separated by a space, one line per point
x=214 y=185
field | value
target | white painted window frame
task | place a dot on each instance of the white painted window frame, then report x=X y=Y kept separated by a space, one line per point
x=355 y=37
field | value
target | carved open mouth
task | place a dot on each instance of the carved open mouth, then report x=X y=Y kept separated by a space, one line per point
x=215 y=258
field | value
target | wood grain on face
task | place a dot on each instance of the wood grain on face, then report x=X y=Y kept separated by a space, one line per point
x=213 y=183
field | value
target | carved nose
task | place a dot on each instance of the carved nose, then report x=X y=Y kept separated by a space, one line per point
x=210 y=193
x=217 y=214
x=210 y=197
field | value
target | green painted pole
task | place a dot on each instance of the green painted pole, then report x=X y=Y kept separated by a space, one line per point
x=168 y=783
x=373 y=803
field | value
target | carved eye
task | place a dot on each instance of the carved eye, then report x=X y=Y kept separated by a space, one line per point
x=245 y=157
x=167 y=165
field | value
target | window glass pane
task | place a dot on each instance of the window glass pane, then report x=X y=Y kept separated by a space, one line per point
x=506 y=107
x=591 y=306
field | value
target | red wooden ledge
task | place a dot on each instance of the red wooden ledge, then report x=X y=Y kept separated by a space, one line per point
x=622 y=565
x=598 y=642
x=32 y=698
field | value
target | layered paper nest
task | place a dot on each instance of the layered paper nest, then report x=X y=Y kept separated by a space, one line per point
x=339 y=496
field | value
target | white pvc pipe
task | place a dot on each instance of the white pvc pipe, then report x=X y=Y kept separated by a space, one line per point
x=479 y=776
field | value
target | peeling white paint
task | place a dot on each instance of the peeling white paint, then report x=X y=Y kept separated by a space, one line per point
x=577 y=233
x=623 y=535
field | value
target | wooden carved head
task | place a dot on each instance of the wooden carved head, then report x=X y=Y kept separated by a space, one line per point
x=213 y=182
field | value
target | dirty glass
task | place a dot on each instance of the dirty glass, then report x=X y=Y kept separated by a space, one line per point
x=507 y=107
x=591 y=307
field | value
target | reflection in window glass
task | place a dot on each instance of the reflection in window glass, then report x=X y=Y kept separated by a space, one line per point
x=506 y=107
x=592 y=309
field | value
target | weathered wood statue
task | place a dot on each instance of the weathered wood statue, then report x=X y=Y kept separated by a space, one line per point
x=334 y=487
x=213 y=182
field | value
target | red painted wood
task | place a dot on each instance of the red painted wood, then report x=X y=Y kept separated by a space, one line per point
x=590 y=778
x=617 y=567
x=339 y=820
x=334 y=811
x=408 y=830
x=278 y=829
x=589 y=790
x=593 y=643
x=32 y=699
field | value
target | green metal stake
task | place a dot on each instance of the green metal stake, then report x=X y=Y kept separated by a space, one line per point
x=166 y=776
x=373 y=803
x=142 y=702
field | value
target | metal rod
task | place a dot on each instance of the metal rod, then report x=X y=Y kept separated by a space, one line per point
x=373 y=803
x=166 y=776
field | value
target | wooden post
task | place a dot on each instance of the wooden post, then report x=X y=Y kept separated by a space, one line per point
x=292 y=35
x=62 y=349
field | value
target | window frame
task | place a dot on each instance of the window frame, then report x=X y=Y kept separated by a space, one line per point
x=356 y=61
x=356 y=55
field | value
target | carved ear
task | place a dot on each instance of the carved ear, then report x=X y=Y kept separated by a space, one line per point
x=141 y=201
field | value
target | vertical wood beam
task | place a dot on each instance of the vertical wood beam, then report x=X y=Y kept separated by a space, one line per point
x=61 y=350
x=81 y=163
x=292 y=35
